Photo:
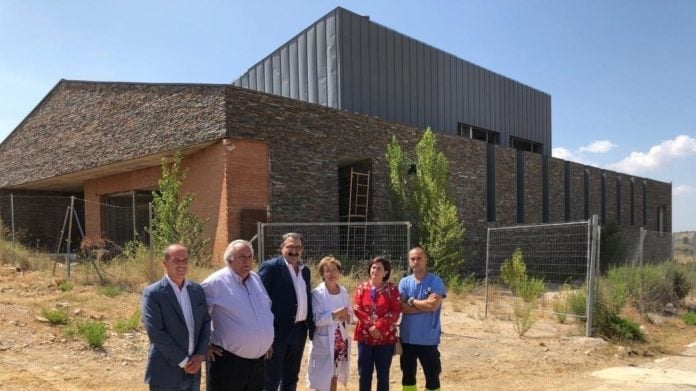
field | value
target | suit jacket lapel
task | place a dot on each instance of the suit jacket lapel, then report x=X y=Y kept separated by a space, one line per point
x=171 y=296
x=285 y=272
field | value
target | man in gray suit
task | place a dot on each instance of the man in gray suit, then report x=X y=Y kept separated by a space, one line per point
x=176 y=318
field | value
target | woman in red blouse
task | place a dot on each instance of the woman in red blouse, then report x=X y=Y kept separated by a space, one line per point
x=377 y=307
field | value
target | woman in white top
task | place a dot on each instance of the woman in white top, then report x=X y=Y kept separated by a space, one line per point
x=329 y=356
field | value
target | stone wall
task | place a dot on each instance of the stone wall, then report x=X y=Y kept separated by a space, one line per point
x=284 y=156
x=307 y=143
x=81 y=125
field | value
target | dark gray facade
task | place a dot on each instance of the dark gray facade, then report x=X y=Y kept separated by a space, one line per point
x=345 y=61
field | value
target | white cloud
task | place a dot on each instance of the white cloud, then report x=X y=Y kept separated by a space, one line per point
x=683 y=190
x=598 y=146
x=563 y=153
x=658 y=155
x=567 y=154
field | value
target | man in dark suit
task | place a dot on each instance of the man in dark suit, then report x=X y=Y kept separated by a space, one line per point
x=287 y=282
x=177 y=322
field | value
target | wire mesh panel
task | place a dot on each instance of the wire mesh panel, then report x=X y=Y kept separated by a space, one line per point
x=556 y=259
x=351 y=243
x=35 y=221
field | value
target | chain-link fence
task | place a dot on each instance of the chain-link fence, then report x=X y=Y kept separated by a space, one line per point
x=352 y=243
x=544 y=264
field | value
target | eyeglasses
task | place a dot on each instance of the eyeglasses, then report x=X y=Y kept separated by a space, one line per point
x=293 y=247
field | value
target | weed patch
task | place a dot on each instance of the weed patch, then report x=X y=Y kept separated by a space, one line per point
x=55 y=317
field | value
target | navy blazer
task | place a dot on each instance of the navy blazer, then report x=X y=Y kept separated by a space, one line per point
x=166 y=328
x=276 y=278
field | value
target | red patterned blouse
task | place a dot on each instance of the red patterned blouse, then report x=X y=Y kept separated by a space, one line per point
x=379 y=307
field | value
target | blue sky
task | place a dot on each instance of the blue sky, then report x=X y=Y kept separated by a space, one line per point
x=620 y=73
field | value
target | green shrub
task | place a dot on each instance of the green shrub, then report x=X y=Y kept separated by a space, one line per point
x=560 y=303
x=530 y=288
x=65 y=286
x=173 y=221
x=657 y=287
x=55 y=317
x=514 y=271
x=93 y=332
x=622 y=329
x=690 y=318
x=522 y=314
x=127 y=325
x=110 y=291
x=612 y=295
x=458 y=285
x=576 y=302
x=682 y=280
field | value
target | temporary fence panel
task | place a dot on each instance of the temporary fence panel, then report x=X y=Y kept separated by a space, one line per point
x=351 y=243
x=560 y=255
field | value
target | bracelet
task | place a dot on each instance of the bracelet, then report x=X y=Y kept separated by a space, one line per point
x=410 y=301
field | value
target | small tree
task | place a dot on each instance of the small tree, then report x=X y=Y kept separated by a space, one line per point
x=421 y=195
x=172 y=220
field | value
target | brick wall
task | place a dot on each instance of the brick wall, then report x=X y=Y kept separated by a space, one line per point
x=205 y=179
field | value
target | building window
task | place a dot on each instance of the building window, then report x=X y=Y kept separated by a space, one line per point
x=525 y=145
x=468 y=131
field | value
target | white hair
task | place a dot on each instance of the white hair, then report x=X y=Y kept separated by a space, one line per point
x=229 y=251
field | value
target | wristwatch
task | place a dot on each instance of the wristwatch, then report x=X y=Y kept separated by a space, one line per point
x=410 y=301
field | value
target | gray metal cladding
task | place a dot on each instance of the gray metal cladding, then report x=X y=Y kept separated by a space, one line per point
x=346 y=61
x=305 y=68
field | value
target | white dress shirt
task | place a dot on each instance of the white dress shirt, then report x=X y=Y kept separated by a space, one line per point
x=242 y=321
x=300 y=291
x=184 y=300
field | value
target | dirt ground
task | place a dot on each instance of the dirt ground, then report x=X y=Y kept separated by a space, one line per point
x=477 y=353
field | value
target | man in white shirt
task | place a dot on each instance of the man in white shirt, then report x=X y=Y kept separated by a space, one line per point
x=242 y=322
x=175 y=315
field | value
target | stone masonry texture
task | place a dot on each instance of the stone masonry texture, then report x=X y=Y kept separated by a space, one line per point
x=282 y=156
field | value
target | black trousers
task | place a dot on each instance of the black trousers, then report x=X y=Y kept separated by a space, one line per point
x=282 y=370
x=230 y=372
x=429 y=357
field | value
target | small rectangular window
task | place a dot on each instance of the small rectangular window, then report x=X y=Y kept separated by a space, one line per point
x=468 y=131
x=525 y=145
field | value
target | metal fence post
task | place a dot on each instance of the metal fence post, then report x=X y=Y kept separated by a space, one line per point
x=12 y=217
x=67 y=244
x=260 y=241
x=591 y=274
x=149 y=221
x=485 y=281
x=641 y=253
x=135 y=229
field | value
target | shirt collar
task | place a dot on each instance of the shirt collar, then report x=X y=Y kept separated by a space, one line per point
x=290 y=265
x=173 y=284
x=235 y=277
